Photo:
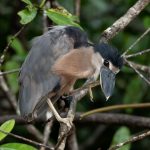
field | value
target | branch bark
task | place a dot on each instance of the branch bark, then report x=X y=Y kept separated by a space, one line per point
x=103 y=118
x=140 y=67
x=132 y=139
x=77 y=7
x=121 y=23
x=72 y=141
x=114 y=118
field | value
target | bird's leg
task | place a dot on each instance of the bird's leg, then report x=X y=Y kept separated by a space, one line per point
x=66 y=121
x=90 y=80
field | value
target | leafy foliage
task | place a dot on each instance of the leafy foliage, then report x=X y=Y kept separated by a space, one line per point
x=14 y=62
x=7 y=127
x=121 y=135
x=16 y=146
x=27 y=15
x=61 y=16
x=17 y=46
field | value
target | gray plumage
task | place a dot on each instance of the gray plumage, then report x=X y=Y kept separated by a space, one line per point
x=36 y=78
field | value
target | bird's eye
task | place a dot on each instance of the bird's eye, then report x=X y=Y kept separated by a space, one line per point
x=106 y=63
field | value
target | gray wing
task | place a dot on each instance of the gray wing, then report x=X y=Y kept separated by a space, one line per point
x=36 y=78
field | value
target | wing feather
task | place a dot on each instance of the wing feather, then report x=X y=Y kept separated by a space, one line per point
x=36 y=77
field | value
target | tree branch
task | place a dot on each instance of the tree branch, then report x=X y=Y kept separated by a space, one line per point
x=72 y=141
x=143 y=35
x=114 y=118
x=9 y=71
x=115 y=107
x=25 y=139
x=77 y=7
x=121 y=23
x=7 y=47
x=132 y=139
x=140 y=67
x=103 y=118
x=138 y=72
x=137 y=54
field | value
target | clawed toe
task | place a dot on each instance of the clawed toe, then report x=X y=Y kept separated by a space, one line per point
x=67 y=121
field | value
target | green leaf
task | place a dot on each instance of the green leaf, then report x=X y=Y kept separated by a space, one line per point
x=28 y=2
x=147 y=22
x=133 y=91
x=7 y=127
x=17 y=46
x=16 y=146
x=61 y=16
x=27 y=15
x=121 y=135
x=12 y=78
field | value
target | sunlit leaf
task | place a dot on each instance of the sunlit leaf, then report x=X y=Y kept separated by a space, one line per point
x=121 y=135
x=7 y=127
x=61 y=16
x=27 y=15
x=16 y=146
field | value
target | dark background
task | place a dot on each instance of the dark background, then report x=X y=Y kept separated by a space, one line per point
x=95 y=16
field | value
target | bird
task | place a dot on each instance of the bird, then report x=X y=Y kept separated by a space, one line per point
x=56 y=60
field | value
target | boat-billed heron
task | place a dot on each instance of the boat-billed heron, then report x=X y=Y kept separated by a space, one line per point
x=56 y=60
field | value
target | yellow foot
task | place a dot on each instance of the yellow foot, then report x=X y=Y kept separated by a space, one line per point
x=67 y=121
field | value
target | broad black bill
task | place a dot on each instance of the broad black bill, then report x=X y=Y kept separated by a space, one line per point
x=107 y=79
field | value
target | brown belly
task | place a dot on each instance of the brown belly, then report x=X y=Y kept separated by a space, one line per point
x=67 y=84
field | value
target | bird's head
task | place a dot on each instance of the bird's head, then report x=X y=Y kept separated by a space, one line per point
x=110 y=63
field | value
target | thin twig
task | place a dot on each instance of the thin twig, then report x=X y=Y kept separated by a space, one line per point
x=35 y=132
x=136 y=54
x=77 y=7
x=8 y=45
x=115 y=107
x=141 y=75
x=45 y=21
x=9 y=94
x=47 y=132
x=140 y=67
x=25 y=139
x=10 y=71
x=146 y=32
x=132 y=139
